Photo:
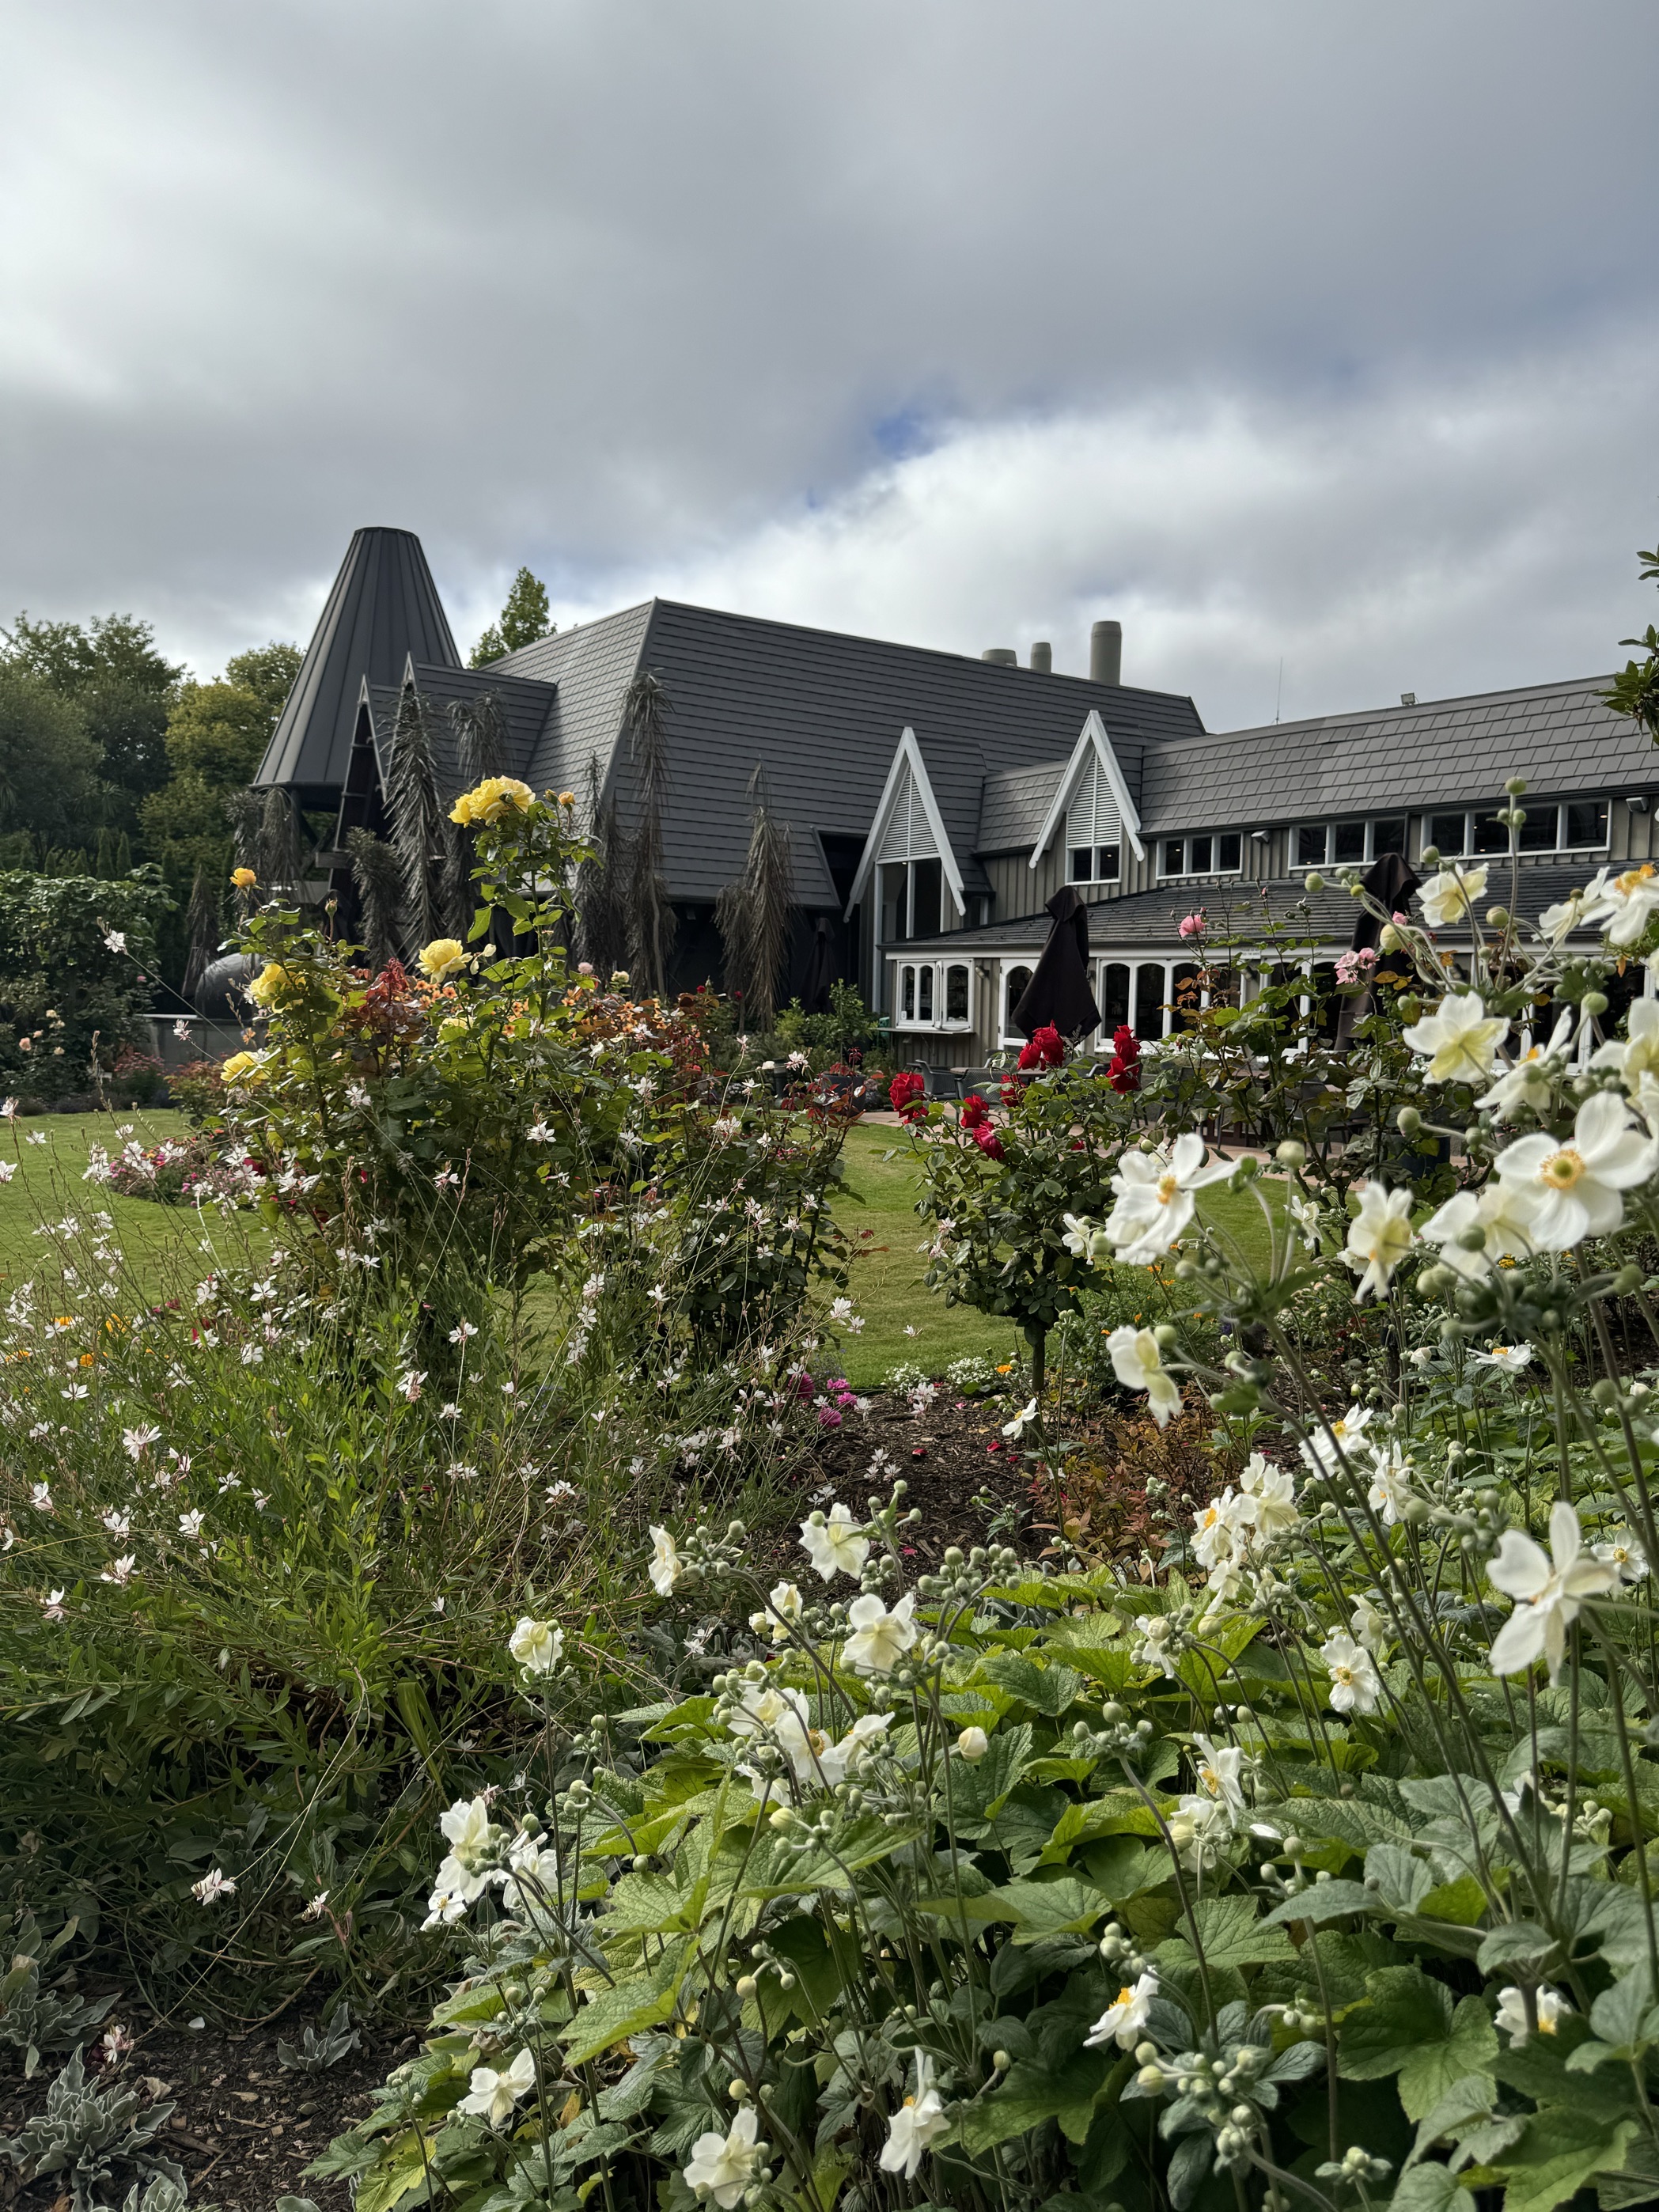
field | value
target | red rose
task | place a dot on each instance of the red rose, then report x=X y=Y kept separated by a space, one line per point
x=974 y=1111
x=905 y=1093
x=1050 y=1046
x=988 y=1141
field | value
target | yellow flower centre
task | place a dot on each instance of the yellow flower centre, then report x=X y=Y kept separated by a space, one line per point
x=1169 y=1187
x=1546 y=2024
x=1342 y=1673
x=1633 y=878
x=1563 y=1169
x=1210 y=1780
x=1126 y=1996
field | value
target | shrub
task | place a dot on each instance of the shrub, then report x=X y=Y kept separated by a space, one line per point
x=76 y=964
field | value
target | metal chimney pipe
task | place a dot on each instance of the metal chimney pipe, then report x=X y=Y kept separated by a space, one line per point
x=1106 y=652
x=1042 y=659
x=1004 y=655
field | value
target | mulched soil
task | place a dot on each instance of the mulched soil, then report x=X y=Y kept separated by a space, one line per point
x=246 y=2126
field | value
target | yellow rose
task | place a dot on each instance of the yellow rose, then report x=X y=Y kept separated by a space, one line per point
x=274 y=983
x=243 y=1067
x=244 y=878
x=567 y=799
x=496 y=796
x=444 y=958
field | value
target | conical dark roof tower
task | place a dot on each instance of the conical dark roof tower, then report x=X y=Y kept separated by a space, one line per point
x=382 y=610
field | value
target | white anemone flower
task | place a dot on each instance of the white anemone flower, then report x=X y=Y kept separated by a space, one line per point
x=724 y=2167
x=1022 y=1420
x=1451 y=896
x=665 y=1568
x=1636 y=1053
x=1379 y=1237
x=445 y=1906
x=537 y=1645
x=1548 y=2004
x=835 y=1760
x=1356 y=1686
x=1507 y=1359
x=1528 y=1080
x=1460 y=1039
x=492 y=2094
x=1335 y=1442
x=1220 y=1771
x=1390 y=1490
x=880 y=1639
x=1549 y=1589
x=472 y=1838
x=1621 y=1550
x=1577 y=1185
x=1221 y=1530
x=1139 y=1365
x=1124 y=2019
x=1502 y=1214
x=1157 y=1197
x=1270 y=1493
x=1368 y=1627
x=1622 y=906
x=836 y=1546
x=919 y=2123
x=1085 y=1240
x=782 y=1614
x=777 y=1716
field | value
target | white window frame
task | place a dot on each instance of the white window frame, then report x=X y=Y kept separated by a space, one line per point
x=928 y=986
x=1370 y=823
x=1007 y=1033
x=1184 y=873
x=1094 y=853
x=1473 y=814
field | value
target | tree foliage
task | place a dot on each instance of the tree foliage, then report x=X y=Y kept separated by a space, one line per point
x=753 y=915
x=522 y=621
x=1635 y=689
x=110 y=670
x=49 y=784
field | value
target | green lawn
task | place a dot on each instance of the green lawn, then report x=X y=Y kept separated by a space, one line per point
x=162 y=1243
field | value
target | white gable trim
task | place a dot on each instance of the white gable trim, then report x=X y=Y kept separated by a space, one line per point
x=1093 y=740
x=908 y=754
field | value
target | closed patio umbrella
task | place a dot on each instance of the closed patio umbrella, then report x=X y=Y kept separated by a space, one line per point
x=1392 y=884
x=1060 y=994
x=820 y=969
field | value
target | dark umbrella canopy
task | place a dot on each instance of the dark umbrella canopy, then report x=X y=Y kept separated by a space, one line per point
x=821 y=970
x=1392 y=885
x=1059 y=993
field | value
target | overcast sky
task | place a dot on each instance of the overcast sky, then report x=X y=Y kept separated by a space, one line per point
x=1314 y=332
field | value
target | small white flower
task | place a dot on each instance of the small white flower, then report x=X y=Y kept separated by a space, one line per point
x=116 y=940
x=1356 y=1686
x=189 y=1524
x=1512 y=2013
x=493 y=2094
x=1548 y=1591
x=40 y=1498
x=1509 y=1358
x=1220 y=1531
x=137 y=1442
x=782 y=1615
x=52 y=1605
x=665 y=1568
x=1022 y=1420
x=836 y=1546
x=463 y=1331
x=119 y=1524
x=880 y=1638
x=1270 y=1493
x=1084 y=1239
x=1125 y=2018
x=1474 y=1230
x=1452 y=895
x=724 y=2167
x=537 y=1646
x=917 y=2124
x=213 y=1883
x=1139 y=1365
x=1368 y=1628
x=1459 y=1039
x=1529 y=1081
x=119 y=1572
x=973 y=1743
x=1621 y=905
x=1337 y=1441
x=1621 y=1549
x=1390 y=1490
x=1379 y=1237
x=445 y=1906
x=1575 y=1187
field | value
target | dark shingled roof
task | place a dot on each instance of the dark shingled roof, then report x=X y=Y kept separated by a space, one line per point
x=1149 y=921
x=1016 y=805
x=384 y=608
x=523 y=707
x=821 y=713
x=1442 y=752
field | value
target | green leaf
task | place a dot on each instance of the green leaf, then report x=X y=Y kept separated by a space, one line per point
x=612 y=2015
x=401 y=2170
x=1051 y=1690
x=1032 y=2094
x=1232 y=1935
x=1431 y=2188
x=1323 y=1900
x=1560 y=2149
x=1407 y=2025
x=981 y=1790
x=1036 y=1909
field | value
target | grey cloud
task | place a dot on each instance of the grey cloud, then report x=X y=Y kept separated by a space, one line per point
x=618 y=289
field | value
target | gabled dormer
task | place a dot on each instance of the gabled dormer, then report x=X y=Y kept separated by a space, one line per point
x=908 y=858
x=1093 y=811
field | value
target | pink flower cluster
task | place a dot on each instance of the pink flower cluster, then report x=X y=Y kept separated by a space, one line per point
x=1354 y=967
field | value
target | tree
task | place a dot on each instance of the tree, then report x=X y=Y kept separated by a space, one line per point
x=601 y=899
x=650 y=917
x=111 y=670
x=216 y=735
x=379 y=878
x=1635 y=689
x=49 y=782
x=754 y=915
x=523 y=620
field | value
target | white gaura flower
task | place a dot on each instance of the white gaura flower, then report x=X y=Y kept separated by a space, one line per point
x=1512 y=2013
x=880 y=1639
x=492 y=2095
x=1475 y=1230
x=1622 y=906
x=1356 y=1686
x=537 y=1645
x=1459 y=1040
x=836 y=1546
x=1139 y=1365
x=1529 y=1080
x=1575 y=1185
x=1379 y=1237
x=1022 y=1420
x=1220 y=1531
x=918 y=2123
x=1125 y=2019
x=665 y=1568
x=724 y=2167
x=1157 y=1197
x=1509 y=1358
x=1450 y=896
x=1548 y=1591
x=1335 y=1442
x=119 y=1572
x=213 y=1883
x=1084 y=1239
x=1270 y=1493
x=1636 y=1053
x=1390 y=1490
x=782 y=1615
x=1620 y=1549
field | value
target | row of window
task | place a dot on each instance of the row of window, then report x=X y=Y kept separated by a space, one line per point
x=933 y=994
